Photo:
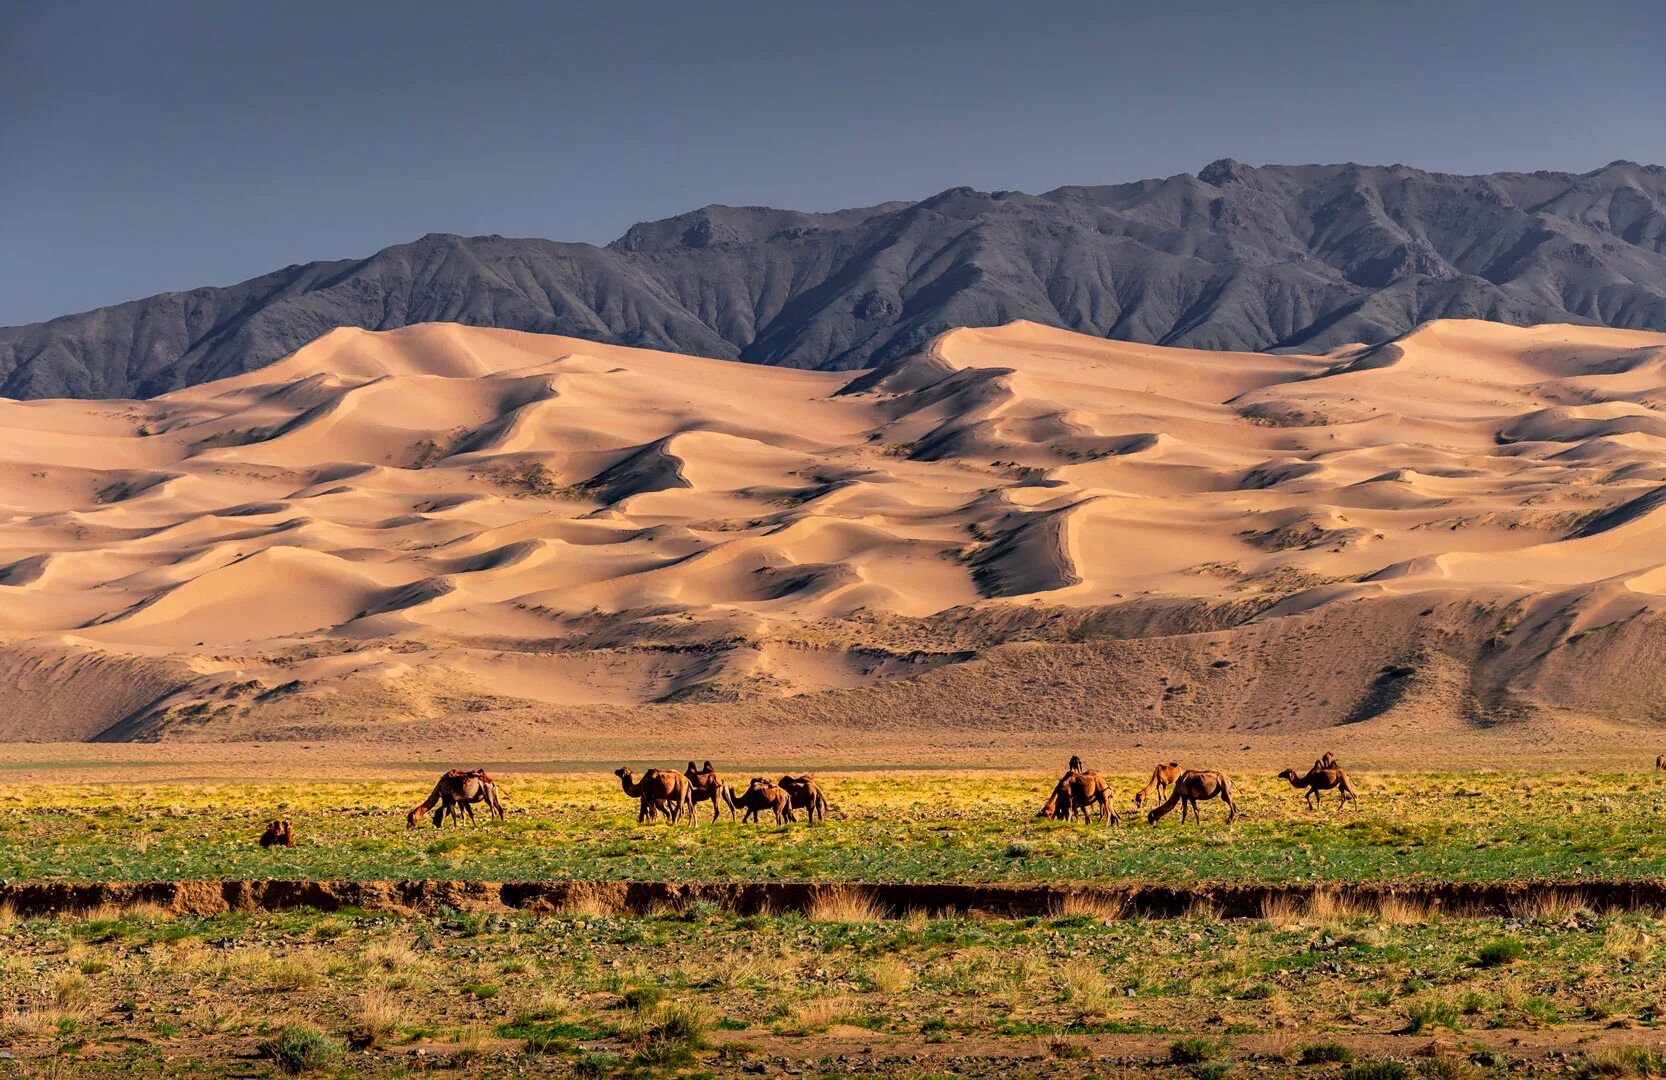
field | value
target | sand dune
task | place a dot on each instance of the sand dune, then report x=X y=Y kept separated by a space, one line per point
x=403 y=523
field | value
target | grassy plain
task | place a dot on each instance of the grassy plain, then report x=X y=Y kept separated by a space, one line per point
x=925 y=826
x=1311 y=989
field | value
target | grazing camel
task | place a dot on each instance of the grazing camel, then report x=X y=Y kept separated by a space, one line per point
x=278 y=834
x=708 y=785
x=1192 y=786
x=761 y=795
x=806 y=795
x=658 y=792
x=1081 y=791
x=1318 y=780
x=458 y=788
x=1161 y=777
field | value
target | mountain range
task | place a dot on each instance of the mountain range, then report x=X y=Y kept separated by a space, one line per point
x=1236 y=257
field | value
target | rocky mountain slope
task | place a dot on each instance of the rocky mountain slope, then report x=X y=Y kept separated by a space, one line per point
x=1281 y=257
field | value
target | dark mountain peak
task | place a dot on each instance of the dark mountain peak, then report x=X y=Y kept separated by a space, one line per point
x=1224 y=171
x=1237 y=257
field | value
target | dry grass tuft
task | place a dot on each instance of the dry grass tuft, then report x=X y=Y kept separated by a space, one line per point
x=584 y=905
x=1549 y=906
x=819 y=1014
x=1280 y=909
x=1325 y=905
x=378 y=1014
x=1105 y=907
x=1403 y=911
x=842 y=904
x=890 y=975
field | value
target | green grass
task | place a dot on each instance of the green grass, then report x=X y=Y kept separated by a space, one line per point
x=682 y=992
x=886 y=826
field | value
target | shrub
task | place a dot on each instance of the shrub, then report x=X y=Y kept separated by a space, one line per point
x=1432 y=1014
x=1324 y=1054
x=641 y=998
x=299 y=1048
x=1501 y=952
x=1383 y=1069
x=1192 y=1049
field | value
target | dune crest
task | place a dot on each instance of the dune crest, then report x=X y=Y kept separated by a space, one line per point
x=453 y=514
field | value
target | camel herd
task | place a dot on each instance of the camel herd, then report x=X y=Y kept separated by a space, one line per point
x=673 y=795
x=1083 y=791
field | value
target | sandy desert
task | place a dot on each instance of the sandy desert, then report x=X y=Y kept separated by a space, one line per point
x=1015 y=537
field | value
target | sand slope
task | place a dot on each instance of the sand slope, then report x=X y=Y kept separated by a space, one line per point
x=442 y=520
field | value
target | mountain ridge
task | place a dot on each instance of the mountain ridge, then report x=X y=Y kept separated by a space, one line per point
x=1236 y=257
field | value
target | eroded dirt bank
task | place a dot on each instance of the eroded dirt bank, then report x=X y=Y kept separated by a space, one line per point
x=896 y=898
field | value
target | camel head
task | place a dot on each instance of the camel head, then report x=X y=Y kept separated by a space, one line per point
x=624 y=773
x=1289 y=774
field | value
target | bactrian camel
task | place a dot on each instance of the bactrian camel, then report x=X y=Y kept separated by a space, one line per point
x=1193 y=786
x=805 y=795
x=1161 y=777
x=278 y=834
x=762 y=795
x=458 y=788
x=1084 y=792
x=1318 y=780
x=659 y=792
x=706 y=784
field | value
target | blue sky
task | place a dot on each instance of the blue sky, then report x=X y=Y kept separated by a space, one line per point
x=163 y=146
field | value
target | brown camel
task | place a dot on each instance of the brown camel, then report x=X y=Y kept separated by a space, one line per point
x=278 y=834
x=1660 y=761
x=1318 y=780
x=806 y=795
x=708 y=785
x=762 y=795
x=458 y=788
x=1161 y=777
x=1080 y=791
x=660 y=791
x=1195 y=785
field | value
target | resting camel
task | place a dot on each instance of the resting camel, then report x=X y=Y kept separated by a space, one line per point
x=707 y=784
x=1161 y=777
x=1195 y=785
x=658 y=792
x=278 y=834
x=1080 y=791
x=458 y=788
x=1318 y=780
x=806 y=795
x=760 y=795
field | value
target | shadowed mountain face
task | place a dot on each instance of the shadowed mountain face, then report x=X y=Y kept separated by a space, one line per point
x=1234 y=258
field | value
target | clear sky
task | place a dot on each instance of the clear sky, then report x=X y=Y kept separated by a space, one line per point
x=165 y=145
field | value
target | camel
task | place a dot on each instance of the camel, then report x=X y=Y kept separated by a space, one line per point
x=1660 y=761
x=278 y=834
x=1081 y=791
x=707 y=784
x=1161 y=777
x=806 y=795
x=1318 y=780
x=762 y=795
x=458 y=788
x=1192 y=786
x=659 y=792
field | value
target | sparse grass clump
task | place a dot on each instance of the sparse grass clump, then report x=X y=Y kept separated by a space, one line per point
x=1500 y=952
x=299 y=1048
x=1193 y=1049
x=1325 y=1053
